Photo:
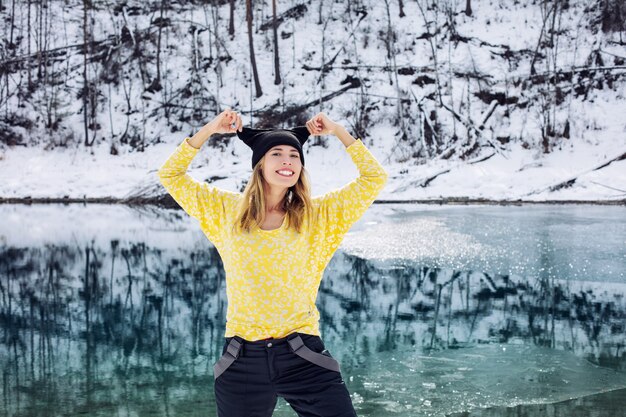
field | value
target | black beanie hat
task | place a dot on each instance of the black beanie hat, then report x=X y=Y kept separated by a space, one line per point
x=262 y=140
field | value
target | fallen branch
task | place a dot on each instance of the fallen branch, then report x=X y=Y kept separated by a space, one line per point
x=424 y=182
x=480 y=159
x=488 y=113
x=427 y=181
x=619 y=158
x=478 y=130
x=421 y=182
x=270 y=113
x=570 y=181
x=608 y=186
x=295 y=13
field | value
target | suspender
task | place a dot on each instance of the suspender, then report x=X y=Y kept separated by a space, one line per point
x=302 y=350
x=232 y=353
x=297 y=345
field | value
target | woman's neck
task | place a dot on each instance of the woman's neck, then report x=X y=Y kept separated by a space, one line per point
x=274 y=200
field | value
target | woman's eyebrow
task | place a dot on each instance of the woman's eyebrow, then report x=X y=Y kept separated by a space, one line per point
x=280 y=149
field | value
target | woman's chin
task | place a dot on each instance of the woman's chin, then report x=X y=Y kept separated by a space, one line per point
x=288 y=181
x=284 y=184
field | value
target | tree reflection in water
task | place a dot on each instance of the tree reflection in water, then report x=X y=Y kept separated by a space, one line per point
x=109 y=329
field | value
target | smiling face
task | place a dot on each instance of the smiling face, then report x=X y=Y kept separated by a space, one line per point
x=282 y=166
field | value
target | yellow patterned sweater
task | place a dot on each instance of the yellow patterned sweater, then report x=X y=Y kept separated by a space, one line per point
x=273 y=276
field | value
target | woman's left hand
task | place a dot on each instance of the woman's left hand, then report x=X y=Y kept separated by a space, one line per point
x=320 y=124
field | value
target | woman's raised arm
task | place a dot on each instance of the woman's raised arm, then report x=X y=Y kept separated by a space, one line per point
x=200 y=200
x=341 y=208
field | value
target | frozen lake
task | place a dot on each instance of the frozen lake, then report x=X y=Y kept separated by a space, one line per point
x=431 y=310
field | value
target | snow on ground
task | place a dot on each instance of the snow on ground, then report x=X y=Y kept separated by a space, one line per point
x=598 y=129
x=520 y=174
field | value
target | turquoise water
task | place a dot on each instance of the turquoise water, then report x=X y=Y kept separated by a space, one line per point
x=432 y=311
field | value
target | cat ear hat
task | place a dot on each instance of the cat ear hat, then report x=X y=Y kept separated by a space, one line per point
x=262 y=140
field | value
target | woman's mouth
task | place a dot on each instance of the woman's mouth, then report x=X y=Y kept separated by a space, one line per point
x=285 y=172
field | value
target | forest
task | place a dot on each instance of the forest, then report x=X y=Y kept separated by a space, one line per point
x=451 y=78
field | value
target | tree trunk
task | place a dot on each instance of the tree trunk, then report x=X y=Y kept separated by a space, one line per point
x=39 y=41
x=391 y=54
x=12 y=27
x=255 y=72
x=277 y=79
x=319 y=12
x=156 y=84
x=231 y=24
x=85 y=78
x=45 y=41
x=468 y=7
x=536 y=53
x=30 y=75
x=218 y=64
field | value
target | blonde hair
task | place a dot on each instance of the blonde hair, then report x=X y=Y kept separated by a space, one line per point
x=297 y=202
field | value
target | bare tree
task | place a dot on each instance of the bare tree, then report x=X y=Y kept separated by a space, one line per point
x=231 y=23
x=275 y=33
x=546 y=13
x=613 y=17
x=468 y=7
x=12 y=26
x=390 y=42
x=255 y=73
x=549 y=91
x=320 y=9
x=156 y=83
x=85 y=75
x=431 y=124
x=361 y=119
x=30 y=75
x=38 y=39
x=432 y=40
x=218 y=62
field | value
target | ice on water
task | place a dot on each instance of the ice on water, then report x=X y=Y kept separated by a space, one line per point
x=563 y=242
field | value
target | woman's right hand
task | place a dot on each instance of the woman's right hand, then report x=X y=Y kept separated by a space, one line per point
x=227 y=121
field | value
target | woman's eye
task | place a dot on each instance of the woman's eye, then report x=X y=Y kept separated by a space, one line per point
x=295 y=156
x=275 y=153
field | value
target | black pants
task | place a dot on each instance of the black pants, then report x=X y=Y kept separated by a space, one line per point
x=268 y=369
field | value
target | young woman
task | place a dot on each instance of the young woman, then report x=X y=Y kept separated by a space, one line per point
x=275 y=241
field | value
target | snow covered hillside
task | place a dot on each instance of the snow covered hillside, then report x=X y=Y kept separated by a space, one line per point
x=511 y=101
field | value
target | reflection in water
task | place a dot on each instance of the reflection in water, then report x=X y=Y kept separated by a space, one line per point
x=134 y=328
x=77 y=323
x=439 y=309
x=93 y=329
